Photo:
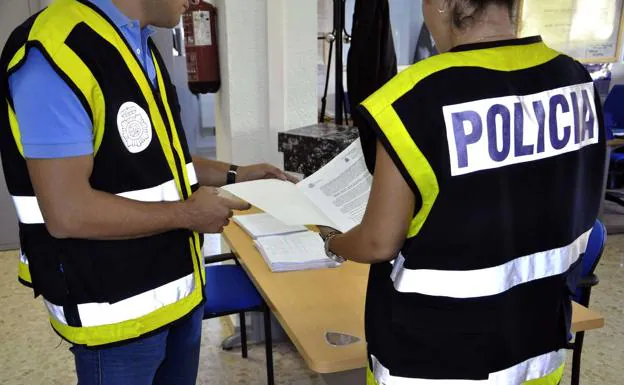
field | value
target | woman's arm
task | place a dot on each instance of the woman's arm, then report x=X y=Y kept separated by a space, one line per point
x=386 y=222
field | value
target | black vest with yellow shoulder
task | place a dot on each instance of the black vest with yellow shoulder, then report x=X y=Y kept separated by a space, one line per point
x=502 y=143
x=106 y=292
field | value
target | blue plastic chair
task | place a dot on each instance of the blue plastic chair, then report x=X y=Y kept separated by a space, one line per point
x=614 y=123
x=593 y=253
x=229 y=291
x=614 y=180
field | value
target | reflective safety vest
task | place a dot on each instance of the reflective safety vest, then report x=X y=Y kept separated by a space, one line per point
x=503 y=146
x=105 y=292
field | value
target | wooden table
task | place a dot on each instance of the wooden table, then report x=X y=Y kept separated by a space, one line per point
x=310 y=303
x=615 y=142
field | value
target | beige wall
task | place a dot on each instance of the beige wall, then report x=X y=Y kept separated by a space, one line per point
x=14 y=12
x=268 y=55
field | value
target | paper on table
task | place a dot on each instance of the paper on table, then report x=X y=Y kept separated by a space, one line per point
x=283 y=200
x=263 y=224
x=334 y=196
x=290 y=252
x=294 y=248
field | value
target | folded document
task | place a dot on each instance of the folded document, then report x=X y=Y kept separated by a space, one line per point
x=334 y=196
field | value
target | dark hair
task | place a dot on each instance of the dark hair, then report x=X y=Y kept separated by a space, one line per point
x=467 y=11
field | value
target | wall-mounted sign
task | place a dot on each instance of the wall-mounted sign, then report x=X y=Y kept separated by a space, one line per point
x=588 y=30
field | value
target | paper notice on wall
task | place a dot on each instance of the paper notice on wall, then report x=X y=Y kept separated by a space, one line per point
x=584 y=29
x=201 y=28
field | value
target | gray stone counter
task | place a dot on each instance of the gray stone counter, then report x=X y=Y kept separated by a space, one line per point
x=307 y=149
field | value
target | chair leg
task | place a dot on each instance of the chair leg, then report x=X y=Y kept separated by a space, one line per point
x=243 y=334
x=268 y=341
x=576 y=358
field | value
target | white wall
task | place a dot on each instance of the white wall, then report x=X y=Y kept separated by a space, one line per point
x=257 y=100
x=163 y=38
x=13 y=13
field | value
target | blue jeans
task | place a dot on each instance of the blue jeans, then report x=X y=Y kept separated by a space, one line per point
x=170 y=357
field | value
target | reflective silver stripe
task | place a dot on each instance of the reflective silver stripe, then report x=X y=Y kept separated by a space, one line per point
x=490 y=281
x=56 y=312
x=192 y=175
x=531 y=369
x=97 y=314
x=29 y=212
x=23 y=258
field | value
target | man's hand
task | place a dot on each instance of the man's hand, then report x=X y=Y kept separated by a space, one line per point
x=207 y=212
x=262 y=171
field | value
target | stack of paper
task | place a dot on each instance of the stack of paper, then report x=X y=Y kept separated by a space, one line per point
x=263 y=225
x=296 y=251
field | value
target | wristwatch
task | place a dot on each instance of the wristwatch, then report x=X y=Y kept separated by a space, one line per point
x=231 y=174
x=336 y=258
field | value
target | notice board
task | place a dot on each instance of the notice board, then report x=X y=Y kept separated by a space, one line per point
x=588 y=30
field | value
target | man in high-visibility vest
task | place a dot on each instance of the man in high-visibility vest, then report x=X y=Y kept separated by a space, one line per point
x=107 y=194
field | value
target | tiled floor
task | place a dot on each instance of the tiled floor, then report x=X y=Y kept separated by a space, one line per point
x=31 y=354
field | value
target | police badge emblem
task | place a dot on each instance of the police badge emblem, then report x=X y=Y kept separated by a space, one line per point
x=134 y=127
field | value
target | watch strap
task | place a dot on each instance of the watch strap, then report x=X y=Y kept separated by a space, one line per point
x=231 y=174
x=331 y=255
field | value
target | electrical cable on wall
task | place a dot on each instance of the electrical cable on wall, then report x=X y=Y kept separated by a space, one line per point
x=339 y=36
x=329 y=67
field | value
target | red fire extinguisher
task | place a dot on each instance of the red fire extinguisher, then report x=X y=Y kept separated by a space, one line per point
x=202 y=50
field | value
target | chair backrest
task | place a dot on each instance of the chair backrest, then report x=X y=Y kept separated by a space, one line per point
x=613 y=113
x=593 y=253
x=595 y=247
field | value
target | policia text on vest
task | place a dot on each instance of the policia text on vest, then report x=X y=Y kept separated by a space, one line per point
x=502 y=131
x=102 y=292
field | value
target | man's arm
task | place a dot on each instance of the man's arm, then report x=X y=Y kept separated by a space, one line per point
x=214 y=173
x=210 y=172
x=71 y=208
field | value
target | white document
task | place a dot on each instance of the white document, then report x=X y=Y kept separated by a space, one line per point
x=341 y=188
x=283 y=200
x=334 y=196
x=263 y=224
x=298 y=251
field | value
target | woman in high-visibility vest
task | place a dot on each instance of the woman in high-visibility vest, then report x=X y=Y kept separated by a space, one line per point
x=486 y=185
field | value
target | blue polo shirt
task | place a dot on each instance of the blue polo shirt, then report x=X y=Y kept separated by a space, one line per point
x=53 y=123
